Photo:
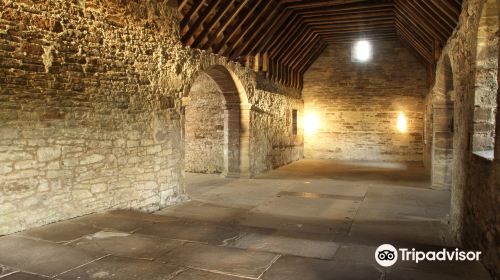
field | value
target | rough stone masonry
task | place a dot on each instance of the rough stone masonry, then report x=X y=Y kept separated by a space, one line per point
x=91 y=111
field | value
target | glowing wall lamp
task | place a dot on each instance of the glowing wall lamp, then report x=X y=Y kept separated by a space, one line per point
x=310 y=123
x=402 y=124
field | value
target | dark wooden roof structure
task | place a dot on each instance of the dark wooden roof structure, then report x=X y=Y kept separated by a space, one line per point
x=282 y=38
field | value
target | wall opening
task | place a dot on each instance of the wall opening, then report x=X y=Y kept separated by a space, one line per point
x=216 y=124
x=295 y=122
x=486 y=82
x=443 y=127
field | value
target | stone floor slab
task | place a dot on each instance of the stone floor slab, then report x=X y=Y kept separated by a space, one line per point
x=404 y=233
x=222 y=259
x=356 y=253
x=332 y=188
x=126 y=245
x=4 y=270
x=112 y=222
x=199 y=232
x=119 y=268
x=295 y=268
x=243 y=195
x=197 y=210
x=60 y=232
x=24 y=276
x=194 y=274
x=42 y=257
x=286 y=245
x=417 y=274
x=321 y=215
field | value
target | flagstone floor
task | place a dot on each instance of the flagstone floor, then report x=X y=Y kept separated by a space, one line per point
x=313 y=219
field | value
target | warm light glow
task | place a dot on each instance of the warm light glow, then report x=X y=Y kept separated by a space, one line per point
x=362 y=51
x=402 y=123
x=311 y=123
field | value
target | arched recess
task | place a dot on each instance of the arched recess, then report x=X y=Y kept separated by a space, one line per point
x=486 y=81
x=443 y=127
x=236 y=120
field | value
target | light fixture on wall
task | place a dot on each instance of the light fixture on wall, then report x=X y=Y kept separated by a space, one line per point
x=362 y=51
x=311 y=123
x=402 y=124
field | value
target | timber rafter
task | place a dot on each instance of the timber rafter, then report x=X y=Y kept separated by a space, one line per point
x=282 y=38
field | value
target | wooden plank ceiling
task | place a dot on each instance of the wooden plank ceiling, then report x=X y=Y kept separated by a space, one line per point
x=282 y=38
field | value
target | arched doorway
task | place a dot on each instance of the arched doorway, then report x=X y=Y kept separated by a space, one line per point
x=443 y=128
x=486 y=82
x=216 y=124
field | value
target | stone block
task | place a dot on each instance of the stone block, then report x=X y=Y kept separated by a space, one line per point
x=48 y=153
x=90 y=159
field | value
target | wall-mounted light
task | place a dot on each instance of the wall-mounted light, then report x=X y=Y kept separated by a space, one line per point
x=402 y=124
x=362 y=51
x=311 y=123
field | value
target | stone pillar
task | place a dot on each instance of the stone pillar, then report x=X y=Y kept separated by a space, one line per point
x=231 y=141
x=245 y=115
x=442 y=146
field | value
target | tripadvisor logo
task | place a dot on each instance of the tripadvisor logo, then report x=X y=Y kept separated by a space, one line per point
x=387 y=255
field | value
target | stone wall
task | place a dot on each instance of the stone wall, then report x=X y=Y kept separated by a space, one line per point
x=475 y=186
x=91 y=108
x=357 y=104
x=274 y=144
x=486 y=85
x=204 y=127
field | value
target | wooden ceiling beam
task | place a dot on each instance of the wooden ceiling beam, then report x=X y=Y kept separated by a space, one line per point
x=353 y=38
x=358 y=34
x=438 y=13
x=356 y=17
x=357 y=21
x=284 y=34
x=408 y=36
x=412 y=22
x=260 y=30
x=372 y=39
x=355 y=5
x=290 y=38
x=197 y=5
x=304 y=46
x=451 y=6
x=323 y=29
x=311 y=57
x=237 y=27
x=295 y=43
x=300 y=55
x=199 y=21
x=424 y=16
x=234 y=52
x=260 y=45
x=405 y=14
x=181 y=5
x=283 y=23
x=345 y=11
x=220 y=11
x=334 y=27
x=317 y=4
x=426 y=45
x=222 y=27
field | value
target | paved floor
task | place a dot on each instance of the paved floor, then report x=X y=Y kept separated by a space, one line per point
x=308 y=220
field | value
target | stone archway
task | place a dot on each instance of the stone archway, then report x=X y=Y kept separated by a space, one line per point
x=235 y=112
x=443 y=127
